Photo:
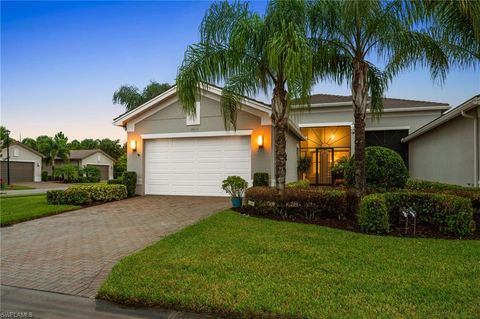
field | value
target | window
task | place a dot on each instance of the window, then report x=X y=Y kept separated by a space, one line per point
x=16 y=152
x=195 y=118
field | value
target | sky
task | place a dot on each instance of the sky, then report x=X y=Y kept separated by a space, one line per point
x=62 y=61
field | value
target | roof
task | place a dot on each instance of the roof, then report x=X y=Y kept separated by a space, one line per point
x=388 y=103
x=81 y=154
x=445 y=117
x=27 y=148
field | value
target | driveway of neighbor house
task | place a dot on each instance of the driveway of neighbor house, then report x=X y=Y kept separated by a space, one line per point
x=72 y=253
x=39 y=188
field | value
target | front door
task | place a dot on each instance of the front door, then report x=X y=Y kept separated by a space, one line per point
x=324 y=164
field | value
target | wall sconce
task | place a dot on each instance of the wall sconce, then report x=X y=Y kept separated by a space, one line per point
x=260 y=141
x=133 y=145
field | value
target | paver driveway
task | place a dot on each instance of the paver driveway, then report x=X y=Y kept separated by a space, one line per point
x=72 y=253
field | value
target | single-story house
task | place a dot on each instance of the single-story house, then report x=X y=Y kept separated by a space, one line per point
x=180 y=155
x=95 y=157
x=25 y=163
x=447 y=149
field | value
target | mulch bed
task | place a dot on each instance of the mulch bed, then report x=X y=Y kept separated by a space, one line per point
x=422 y=231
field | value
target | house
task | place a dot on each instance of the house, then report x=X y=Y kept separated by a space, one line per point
x=450 y=143
x=25 y=164
x=95 y=157
x=176 y=154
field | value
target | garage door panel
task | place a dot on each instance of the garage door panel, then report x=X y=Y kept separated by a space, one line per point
x=195 y=166
x=19 y=171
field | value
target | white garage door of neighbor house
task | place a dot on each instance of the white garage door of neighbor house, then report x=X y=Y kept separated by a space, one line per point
x=195 y=166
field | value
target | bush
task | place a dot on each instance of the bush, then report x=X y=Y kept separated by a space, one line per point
x=92 y=174
x=447 y=213
x=309 y=203
x=117 y=181
x=299 y=184
x=56 y=197
x=235 y=186
x=338 y=169
x=384 y=169
x=44 y=176
x=130 y=181
x=102 y=192
x=416 y=184
x=74 y=196
x=68 y=173
x=120 y=166
x=261 y=179
x=373 y=214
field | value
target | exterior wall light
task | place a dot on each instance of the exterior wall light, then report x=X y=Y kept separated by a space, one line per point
x=260 y=141
x=133 y=145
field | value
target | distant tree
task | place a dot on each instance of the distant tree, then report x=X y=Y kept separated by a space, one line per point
x=120 y=166
x=75 y=145
x=111 y=147
x=89 y=144
x=131 y=97
x=3 y=136
x=30 y=142
x=53 y=148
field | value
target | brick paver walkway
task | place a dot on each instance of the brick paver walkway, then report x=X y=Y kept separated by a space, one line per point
x=72 y=253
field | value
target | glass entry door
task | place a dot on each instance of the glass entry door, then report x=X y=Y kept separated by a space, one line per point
x=324 y=165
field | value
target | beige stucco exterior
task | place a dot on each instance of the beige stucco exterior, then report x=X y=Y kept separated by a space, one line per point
x=19 y=153
x=446 y=153
x=97 y=158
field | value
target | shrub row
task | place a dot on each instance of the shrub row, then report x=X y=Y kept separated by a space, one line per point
x=449 y=214
x=299 y=184
x=129 y=179
x=309 y=203
x=85 y=194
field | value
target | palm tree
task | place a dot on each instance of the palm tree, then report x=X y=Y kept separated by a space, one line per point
x=54 y=148
x=250 y=54
x=131 y=97
x=360 y=33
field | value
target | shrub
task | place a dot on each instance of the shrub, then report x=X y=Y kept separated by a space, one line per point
x=130 y=181
x=304 y=165
x=103 y=192
x=120 y=166
x=117 y=181
x=44 y=176
x=384 y=169
x=447 y=213
x=338 y=169
x=75 y=196
x=92 y=174
x=299 y=184
x=261 y=179
x=68 y=173
x=56 y=197
x=416 y=184
x=309 y=203
x=373 y=214
x=235 y=186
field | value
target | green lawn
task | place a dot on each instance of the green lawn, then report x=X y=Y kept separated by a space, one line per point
x=17 y=187
x=239 y=266
x=17 y=209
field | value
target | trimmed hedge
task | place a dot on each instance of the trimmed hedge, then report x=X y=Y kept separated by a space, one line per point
x=130 y=181
x=299 y=184
x=373 y=215
x=384 y=169
x=261 y=179
x=85 y=194
x=448 y=214
x=311 y=204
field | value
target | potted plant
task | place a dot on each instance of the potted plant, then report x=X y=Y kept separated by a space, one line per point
x=235 y=186
x=304 y=164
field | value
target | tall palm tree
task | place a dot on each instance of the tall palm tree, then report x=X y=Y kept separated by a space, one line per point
x=131 y=97
x=361 y=34
x=250 y=54
x=54 y=148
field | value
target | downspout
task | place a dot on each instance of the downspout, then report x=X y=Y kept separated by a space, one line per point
x=475 y=145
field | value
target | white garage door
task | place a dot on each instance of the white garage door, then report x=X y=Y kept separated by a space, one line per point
x=195 y=166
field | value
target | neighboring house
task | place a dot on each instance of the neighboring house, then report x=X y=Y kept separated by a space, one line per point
x=179 y=155
x=25 y=164
x=447 y=149
x=81 y=158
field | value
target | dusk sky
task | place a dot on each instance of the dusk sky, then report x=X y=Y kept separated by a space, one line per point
x=62 y=61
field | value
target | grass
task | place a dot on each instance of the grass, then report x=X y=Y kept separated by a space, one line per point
x=237 y=266
x=17 y=209
x=16 y=187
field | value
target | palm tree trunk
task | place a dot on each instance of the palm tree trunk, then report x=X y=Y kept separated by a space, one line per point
x=280 y=123
x=360 y=96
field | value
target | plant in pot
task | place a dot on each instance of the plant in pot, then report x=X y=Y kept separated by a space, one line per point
x=304 y=164
x=235 y=186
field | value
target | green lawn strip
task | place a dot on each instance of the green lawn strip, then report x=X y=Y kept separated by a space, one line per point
x=245 y=267
x=17 y=187
x=17 y=209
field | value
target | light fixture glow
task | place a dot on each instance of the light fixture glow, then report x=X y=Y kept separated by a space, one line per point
x=133 y=145
x=332 y=136
x=260 y=141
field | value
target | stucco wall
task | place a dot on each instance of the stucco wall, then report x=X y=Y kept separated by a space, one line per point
x=99 y=159
x=25 y=155
x=172 y=120
x=444 y=154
